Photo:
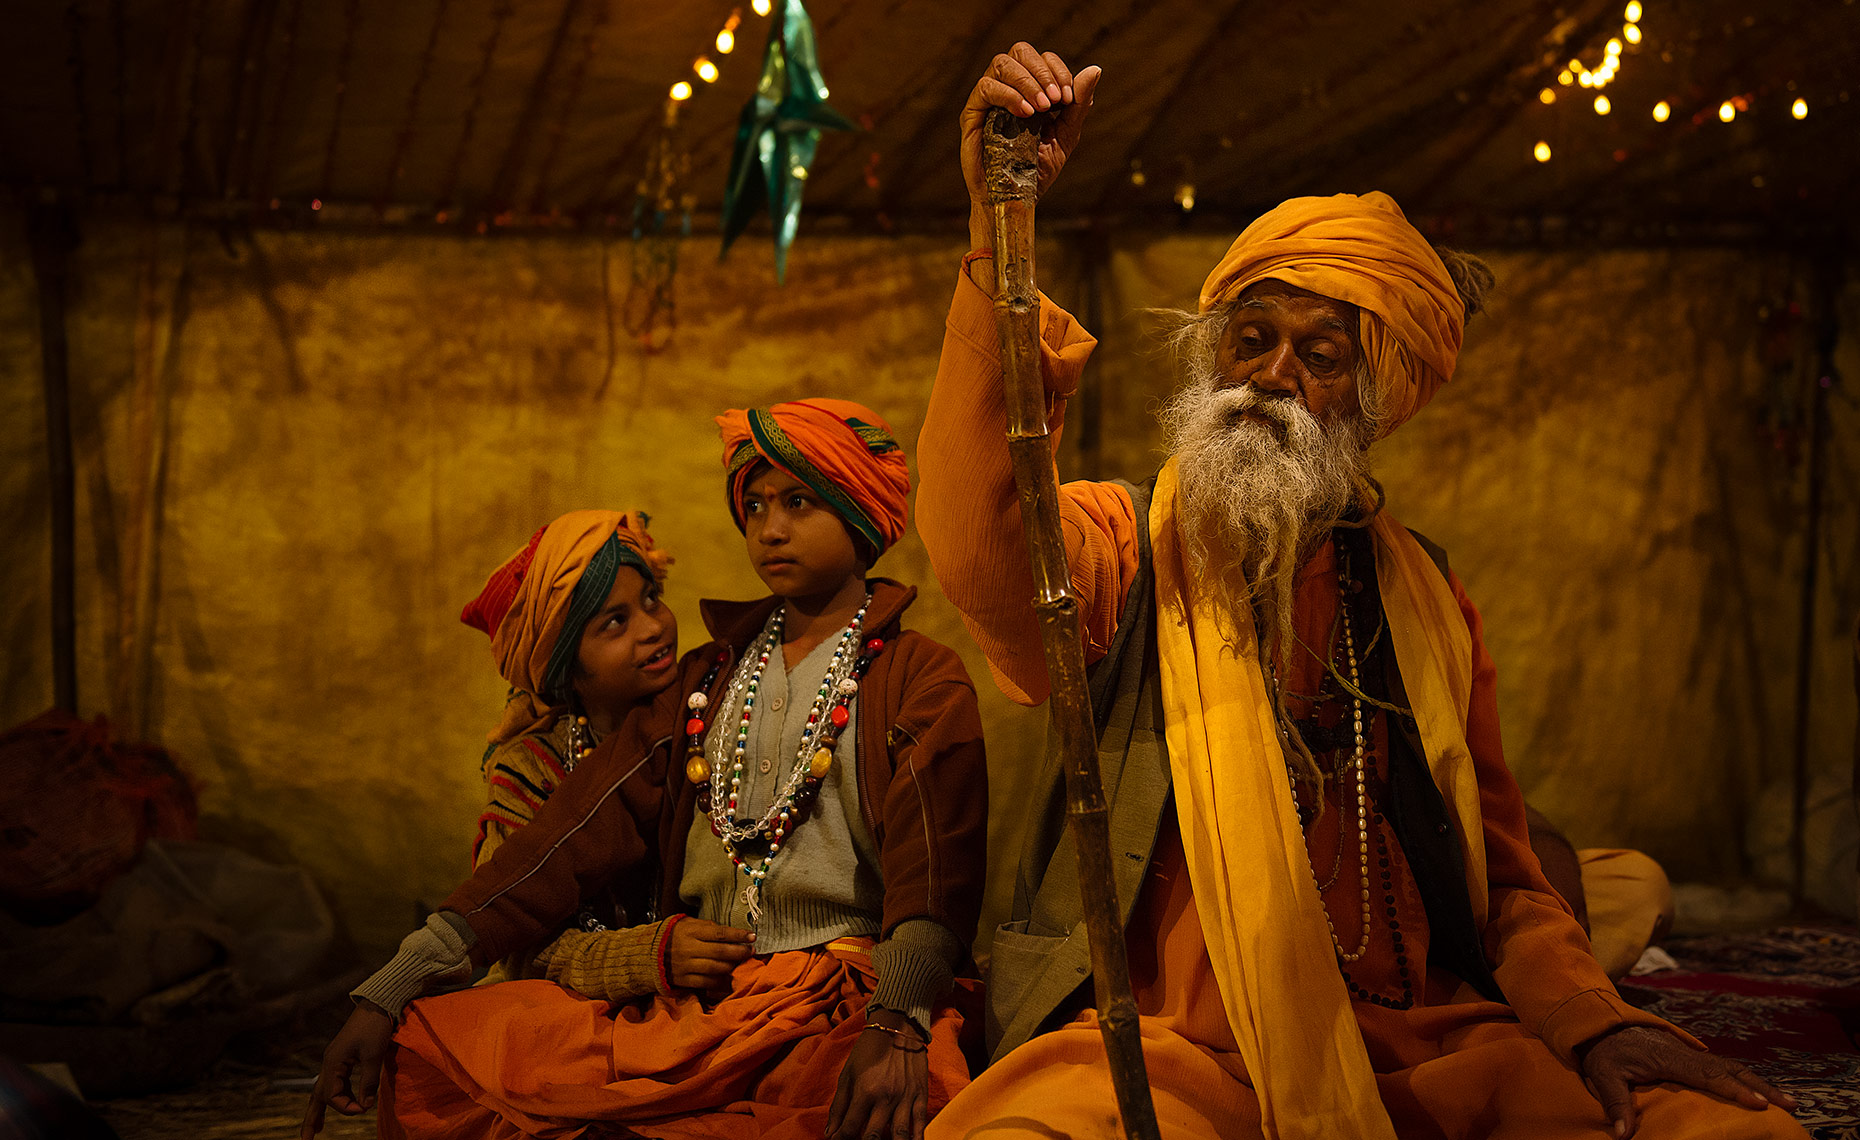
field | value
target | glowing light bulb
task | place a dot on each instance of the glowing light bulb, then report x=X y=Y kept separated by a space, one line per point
x=1575 y=65
x=1586 y=79
x=1547 y=95
x=1726 y=112
x=1633 y=12
x=707 y=71
x=762 y=7
x=799 y=172
x=1799 y=108
x=1602 y=106
x=1541 y=152
x=1566 y=77
x=1661 y=111
x=1631 y=33
x=1613 y=48
x=680 y=91
x=726 y=41
x=1185 y=196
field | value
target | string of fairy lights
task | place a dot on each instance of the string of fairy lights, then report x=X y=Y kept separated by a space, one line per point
x=706 y=68
x=1580 y=75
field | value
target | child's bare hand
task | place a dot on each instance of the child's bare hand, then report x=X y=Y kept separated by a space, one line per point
x=702 y=955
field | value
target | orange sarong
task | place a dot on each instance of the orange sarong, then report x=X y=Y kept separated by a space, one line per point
x=529 y=1058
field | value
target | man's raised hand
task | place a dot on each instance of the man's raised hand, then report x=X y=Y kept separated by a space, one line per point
x=1025 y=80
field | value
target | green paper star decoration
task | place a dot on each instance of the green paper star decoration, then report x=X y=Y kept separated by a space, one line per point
x=778 y=134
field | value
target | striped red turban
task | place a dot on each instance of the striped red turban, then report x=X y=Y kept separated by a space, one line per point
x=840 y=450
x=1365 y=252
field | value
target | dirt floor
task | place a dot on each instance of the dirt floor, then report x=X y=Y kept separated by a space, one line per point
x=257 y=1089
x=234 y=1103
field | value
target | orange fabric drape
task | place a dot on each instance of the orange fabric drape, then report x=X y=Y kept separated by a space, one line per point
x=533 y=1059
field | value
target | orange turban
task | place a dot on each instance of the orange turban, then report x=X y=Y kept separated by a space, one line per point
x=1363 y=251
x=841 y=450
x=536 y=604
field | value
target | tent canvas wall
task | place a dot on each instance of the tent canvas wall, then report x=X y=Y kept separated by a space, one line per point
x=351 y=430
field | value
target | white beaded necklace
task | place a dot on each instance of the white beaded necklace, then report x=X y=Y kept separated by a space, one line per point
x=1358 y=760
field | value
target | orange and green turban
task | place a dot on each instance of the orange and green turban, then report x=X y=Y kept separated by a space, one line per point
x=840 y=450
x=1364 y=251
x=535 y=606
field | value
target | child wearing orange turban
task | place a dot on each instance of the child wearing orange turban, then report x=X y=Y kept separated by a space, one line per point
x=840 y=450
x=809 y=801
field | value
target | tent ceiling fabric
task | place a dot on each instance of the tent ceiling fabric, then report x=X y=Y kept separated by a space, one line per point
x=548 y=109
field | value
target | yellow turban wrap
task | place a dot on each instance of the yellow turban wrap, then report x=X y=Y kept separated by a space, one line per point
x=536 y=604
x=1361 y=250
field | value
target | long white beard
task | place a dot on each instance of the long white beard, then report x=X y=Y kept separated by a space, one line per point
x=1254 y=495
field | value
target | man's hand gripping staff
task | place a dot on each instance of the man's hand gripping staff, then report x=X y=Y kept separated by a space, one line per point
x=1019 y=155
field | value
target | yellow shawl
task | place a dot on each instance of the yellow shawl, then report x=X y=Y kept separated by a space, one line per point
x=1254 y=888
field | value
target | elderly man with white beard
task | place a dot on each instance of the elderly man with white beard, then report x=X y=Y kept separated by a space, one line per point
x=1335 y=923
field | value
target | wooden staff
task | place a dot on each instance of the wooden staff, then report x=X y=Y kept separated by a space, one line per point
x=1010 y=148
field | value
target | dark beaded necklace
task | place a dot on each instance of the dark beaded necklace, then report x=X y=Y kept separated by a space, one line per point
x=1402 y=970
x=1352 y=741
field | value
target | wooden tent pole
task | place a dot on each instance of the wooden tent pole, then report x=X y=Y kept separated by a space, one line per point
x=1010 y=148
x=1824 y=335
x=52 y=236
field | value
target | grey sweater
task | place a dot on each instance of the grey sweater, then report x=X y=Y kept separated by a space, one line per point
x=825 y=883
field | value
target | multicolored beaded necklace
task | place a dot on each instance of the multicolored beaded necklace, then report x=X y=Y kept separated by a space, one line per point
x=581 y=742
x=826 y=719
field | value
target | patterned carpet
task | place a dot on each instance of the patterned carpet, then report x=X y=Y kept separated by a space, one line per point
x=1786 y=1003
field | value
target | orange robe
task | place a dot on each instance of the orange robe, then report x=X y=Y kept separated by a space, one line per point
x=530 y=1058
x=1453 y=1064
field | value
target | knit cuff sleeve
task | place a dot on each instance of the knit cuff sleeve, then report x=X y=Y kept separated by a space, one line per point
x=431 y=960
x=915 y=966
x=610 y=965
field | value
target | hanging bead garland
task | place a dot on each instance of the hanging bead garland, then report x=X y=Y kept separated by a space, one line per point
x=697 y=770
x=1402 y=970
x=1358 y=761
x=1357 y=742
x=1353 y=745
x=827 y=718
